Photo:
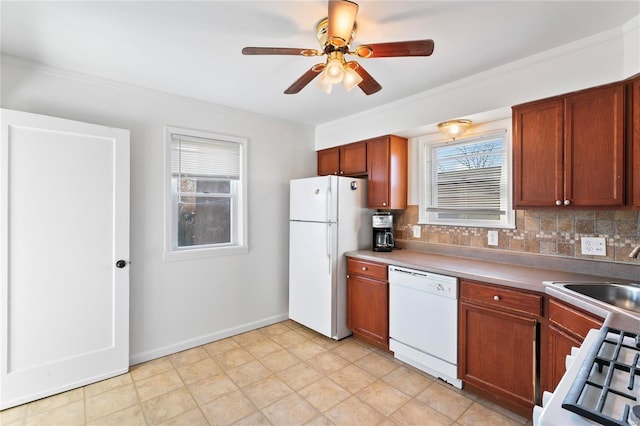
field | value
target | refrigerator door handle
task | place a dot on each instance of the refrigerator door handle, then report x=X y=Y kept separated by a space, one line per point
x=328 y=204
x=329 y=245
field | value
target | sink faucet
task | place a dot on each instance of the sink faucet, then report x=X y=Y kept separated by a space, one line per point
x=635 y=252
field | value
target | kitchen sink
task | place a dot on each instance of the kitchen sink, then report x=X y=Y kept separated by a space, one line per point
x=625 y=296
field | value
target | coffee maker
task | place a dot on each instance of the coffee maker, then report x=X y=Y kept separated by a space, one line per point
x=382 y=231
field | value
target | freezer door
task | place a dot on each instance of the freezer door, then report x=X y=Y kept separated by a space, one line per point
x=312 y=277
x=314 y=199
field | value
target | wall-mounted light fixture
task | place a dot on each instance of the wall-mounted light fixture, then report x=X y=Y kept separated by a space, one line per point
x=454 y=128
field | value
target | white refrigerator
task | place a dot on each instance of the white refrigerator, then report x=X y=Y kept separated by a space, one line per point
x=327 y=217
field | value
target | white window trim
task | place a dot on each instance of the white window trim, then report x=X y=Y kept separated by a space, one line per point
x=436 y=139
x=197 y=252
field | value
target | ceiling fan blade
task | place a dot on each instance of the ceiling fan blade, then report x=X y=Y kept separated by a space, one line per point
x=394 y=49
x=368 y=84
x=304 y=79
x=342 y=18
x=278 y=51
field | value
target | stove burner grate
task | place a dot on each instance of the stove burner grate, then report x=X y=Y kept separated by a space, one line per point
x=608 y=373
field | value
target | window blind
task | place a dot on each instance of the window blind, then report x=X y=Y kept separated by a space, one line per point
x=199 y=157
x=468 y=177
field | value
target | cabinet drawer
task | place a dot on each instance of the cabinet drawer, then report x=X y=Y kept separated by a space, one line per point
x=368 y=269
x=572 y=320
x=501 y=297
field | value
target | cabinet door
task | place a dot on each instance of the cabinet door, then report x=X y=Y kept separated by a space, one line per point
x=498 y=353
x=594 y=147
x=634 y=129
x=378 y=184
x=560 y=344
x=568 y=326
x=387 y=168
x=537 y=154
x=367 y=311
x=353 y=159
x=329 y=161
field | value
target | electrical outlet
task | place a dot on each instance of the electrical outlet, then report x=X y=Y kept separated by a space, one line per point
x=416 y=231
x=492 y=238
x=594 y=246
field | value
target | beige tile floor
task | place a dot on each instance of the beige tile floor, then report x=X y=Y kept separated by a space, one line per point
x=283 y=374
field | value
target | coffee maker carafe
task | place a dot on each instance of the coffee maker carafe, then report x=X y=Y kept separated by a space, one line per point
x=382 y=231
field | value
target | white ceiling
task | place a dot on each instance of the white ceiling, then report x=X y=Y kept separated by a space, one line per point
x=193 y=48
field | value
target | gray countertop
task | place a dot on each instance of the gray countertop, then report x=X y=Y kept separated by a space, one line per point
x=518 y=276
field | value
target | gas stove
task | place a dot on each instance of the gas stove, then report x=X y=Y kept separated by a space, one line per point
x=606 y=389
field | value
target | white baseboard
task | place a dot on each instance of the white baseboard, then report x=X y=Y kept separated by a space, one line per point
x=192 y=343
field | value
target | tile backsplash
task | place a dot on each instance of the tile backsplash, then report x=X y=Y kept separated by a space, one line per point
x=545 y=232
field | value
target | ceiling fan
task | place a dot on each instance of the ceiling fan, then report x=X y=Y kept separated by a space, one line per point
x=335 y=34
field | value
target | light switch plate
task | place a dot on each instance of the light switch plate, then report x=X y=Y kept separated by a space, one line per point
x=595 y=246
x=416 y=231
x=492 y=238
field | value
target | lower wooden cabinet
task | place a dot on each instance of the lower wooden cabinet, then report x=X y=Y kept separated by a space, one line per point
x=568 y=327
x=498 y=351
x=368 y=302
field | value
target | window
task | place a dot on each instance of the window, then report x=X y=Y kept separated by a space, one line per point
x=466 y=182
x=206 y=195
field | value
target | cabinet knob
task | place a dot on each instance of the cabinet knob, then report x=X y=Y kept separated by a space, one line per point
x=384 y=204
x=496 y=298
x=348 y=276
x=567 y=202
x=558 y=203
x=335 y=173
x=364 y=268
x=341 y=172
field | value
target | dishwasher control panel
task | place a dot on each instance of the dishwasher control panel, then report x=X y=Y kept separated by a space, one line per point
x=442 y=285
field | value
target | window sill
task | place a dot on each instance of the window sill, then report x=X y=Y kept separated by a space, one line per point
x=199 y=253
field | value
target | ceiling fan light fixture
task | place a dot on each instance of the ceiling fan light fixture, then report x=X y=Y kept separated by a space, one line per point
x=334 y=71
x=454 y=128
x=351 y=78
x=335 y=34
x=323 y=85
x=342 y=18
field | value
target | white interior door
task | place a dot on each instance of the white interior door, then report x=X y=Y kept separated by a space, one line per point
x=64 y=218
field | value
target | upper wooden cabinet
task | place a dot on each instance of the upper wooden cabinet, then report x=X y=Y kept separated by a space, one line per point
x=345 y=160
x=387 y=168
x=382 y=159
x=570 y=150
x=633 y=102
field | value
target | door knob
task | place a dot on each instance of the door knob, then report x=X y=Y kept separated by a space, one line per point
x=121 y=263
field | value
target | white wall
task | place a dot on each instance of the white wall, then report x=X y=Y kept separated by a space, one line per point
x=179 y=304
x=602 y=58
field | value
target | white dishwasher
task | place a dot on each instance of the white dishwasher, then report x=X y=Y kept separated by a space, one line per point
x=423 y=321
